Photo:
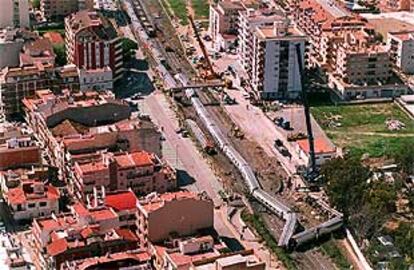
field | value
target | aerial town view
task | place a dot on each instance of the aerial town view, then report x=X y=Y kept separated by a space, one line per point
x=206 y=134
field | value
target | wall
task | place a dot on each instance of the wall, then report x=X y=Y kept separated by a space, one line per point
x=184 y=216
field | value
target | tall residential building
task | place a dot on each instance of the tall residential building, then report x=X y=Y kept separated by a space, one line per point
x=275 y=63
x=248 y=21
x=401 y=48
x=54 y=9
x=14 y=13
x=92 y=42
x=223 y=22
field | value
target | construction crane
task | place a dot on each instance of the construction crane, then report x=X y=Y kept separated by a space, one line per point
x=213 y=74
x=312 y=171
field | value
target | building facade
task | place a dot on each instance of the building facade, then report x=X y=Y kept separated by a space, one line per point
x=57 y=9
x=182 y=213
x=32 y=199
x=400 y=46
x=92 y=42
x=141 y=172
x=14 y=14
x=275 y=63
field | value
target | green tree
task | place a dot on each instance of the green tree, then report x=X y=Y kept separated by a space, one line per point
x=60 y=52
x=346 y=183
x=36 y=4
x=405 y=158
x=128 y=47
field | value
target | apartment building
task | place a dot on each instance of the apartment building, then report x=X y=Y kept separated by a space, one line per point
x=242 y=260
x=17 y=83
x=13 y=178
x=37 y=51
x=65 y=238
x=223 y=22
x=400 y=46
x=361 y=63
x=275 y=64
x=14 y=14
x=76 y=126
x=249 y=20
x=92 y=42
x=57 y=9
x=96 y=79
x=181 y=213
x=140 y=171
x=32 y=199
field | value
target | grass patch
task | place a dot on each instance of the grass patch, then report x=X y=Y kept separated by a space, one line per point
x=258 y=224
x=179 y=8
x=332 y=251
x=201 y=8
x=362 y=127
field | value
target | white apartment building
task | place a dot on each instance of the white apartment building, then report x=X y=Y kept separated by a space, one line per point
x=274 y=61
x=249 y=20
x=400 y=45
x=95 y=79
x=223 y=23
x=14 y=13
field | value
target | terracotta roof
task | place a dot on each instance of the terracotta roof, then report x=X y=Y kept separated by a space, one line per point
x=103 y=214
x=57 y=247
x=80 y=209
x=121 y=201
x=135 y=159
x=19 y=196
x=322 y=145
x=54 y=37
x=92 y=167
x=126 y=234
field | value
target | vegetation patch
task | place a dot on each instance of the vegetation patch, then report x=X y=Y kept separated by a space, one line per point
x=363 y=129
x=332 y=251
x=179 y=9
x=201 y=8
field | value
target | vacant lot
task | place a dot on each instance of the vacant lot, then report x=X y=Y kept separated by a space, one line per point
x=201 y=8
x=362 y=129
x=179 y=9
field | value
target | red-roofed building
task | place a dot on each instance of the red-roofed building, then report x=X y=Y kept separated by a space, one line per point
x=139 y=260
x=32 y=200
x=54 y=37
x=141 y=171
x=83 y=233
x=124 y=203
x=324 y=150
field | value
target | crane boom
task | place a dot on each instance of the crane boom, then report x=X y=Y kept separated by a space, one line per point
x=307 y=113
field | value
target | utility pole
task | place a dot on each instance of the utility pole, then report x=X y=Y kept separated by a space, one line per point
x=307 y=113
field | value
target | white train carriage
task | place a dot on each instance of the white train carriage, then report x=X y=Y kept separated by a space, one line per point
x=271 y=203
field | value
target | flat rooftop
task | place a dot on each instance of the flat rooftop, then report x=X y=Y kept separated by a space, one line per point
x=391 y=22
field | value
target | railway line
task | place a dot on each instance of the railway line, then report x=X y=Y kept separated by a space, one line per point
x=288 y=237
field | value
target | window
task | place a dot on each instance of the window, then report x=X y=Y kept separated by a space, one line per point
x=31 y=205
x=42 y=204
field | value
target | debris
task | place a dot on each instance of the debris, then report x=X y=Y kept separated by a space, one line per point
x=394 y=125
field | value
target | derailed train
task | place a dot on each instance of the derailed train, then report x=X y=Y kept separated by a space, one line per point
x=287 y=238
